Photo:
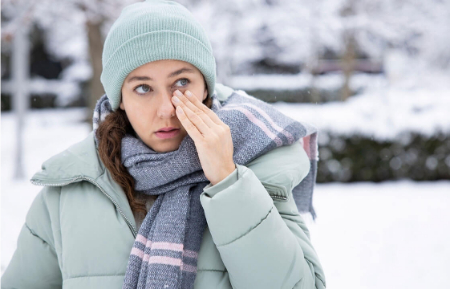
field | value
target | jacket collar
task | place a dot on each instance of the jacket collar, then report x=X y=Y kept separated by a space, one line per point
x=81 y=162
x=80 y=159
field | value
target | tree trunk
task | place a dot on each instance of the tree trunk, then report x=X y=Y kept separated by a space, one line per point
x=95 y=52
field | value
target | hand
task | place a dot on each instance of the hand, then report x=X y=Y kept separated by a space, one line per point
x=211 y=136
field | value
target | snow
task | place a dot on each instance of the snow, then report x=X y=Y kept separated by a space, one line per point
x=387 y=235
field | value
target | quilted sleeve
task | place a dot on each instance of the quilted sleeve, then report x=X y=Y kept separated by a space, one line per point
x=263 y=243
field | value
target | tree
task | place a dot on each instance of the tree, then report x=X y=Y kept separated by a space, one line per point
x=75 y=29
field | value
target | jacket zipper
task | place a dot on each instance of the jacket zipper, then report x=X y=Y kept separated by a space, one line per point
x=133 y=230
x=273 y=189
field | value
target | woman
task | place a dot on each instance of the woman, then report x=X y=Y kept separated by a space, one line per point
x=183 y=183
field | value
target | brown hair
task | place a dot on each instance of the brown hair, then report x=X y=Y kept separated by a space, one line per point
x=109 y=134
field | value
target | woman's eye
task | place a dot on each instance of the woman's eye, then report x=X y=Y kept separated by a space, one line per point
x=184 y=81
x=142 y=89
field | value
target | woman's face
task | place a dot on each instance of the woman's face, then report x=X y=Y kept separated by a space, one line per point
x=147 y=100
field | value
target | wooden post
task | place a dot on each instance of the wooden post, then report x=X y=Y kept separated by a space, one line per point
x=348 y=64
x=313 y=60
x=348 y=59
x=20 y=77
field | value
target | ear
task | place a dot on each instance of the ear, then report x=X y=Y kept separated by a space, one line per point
x=121 y=105
x=205 y=94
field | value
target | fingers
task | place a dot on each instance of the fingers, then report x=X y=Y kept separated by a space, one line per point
x=196 y=115
x=192 y=114
x=194 y=103
x=191 y=129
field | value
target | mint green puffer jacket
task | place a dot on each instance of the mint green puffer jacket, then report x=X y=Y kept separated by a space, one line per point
x=80 y=228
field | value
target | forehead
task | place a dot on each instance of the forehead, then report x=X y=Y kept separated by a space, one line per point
x=161 y=68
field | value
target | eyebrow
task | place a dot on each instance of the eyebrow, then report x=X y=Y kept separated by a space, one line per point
x=175 y=73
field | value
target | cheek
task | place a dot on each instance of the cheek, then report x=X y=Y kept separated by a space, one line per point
x=141 y=117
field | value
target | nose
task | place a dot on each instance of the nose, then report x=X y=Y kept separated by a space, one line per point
x=166 y=109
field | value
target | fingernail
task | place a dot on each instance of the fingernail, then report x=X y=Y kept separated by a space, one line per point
x=177 y=92
x=179 y=110
x=176 y=99
x=188 y=93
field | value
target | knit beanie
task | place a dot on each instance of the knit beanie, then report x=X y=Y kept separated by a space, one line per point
x=149 y=31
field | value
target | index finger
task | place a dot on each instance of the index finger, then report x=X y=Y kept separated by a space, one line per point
x=203 y=107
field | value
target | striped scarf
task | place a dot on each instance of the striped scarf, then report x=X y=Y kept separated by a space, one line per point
x=165 y=252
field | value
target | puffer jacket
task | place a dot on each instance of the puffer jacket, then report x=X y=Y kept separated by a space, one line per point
x=80 y=228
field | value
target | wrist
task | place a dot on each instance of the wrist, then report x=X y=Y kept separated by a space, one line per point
x=226 y=172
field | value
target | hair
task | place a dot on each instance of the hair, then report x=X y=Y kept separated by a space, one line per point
x=109 y=134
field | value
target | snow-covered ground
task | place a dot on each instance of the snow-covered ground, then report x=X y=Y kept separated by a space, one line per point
x=383 y=236
x=388 y=235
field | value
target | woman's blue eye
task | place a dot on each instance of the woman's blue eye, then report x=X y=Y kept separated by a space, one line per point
x=185 y=80
x=142 y=89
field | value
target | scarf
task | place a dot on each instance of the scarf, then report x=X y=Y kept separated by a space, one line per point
x=165 y=251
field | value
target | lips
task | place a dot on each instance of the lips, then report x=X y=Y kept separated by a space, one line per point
x=167 y=132
x=166 y=129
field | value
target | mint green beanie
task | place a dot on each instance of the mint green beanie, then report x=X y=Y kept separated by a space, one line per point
x=149 y=31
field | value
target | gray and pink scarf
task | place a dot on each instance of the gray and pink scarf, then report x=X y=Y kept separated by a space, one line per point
x=164 y=254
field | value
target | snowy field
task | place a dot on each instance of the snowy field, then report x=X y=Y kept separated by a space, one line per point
x=388 y=235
